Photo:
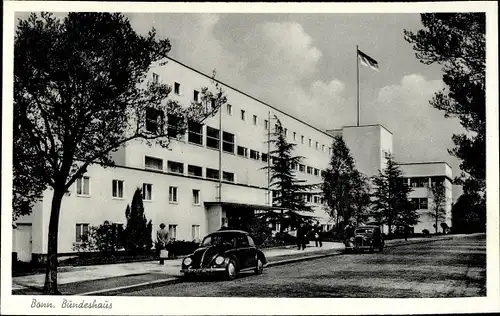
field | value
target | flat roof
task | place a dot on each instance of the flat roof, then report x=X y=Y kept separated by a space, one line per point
x=424 y=163
x=245 y=206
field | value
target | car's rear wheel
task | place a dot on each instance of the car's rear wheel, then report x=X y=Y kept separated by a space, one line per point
x=259 y=267
x=231 y=270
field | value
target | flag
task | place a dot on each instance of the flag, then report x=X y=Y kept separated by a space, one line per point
x=367 y=60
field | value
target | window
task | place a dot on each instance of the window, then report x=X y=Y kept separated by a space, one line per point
x=196 y=96
x=229 y=109
x=302 y=139
x=266 y=124
x=147 y=192
x=316 y=172
x=154 y=119
x=294 y=136
x=177 y=88
x=175 y=167
x=437 y=180
x=330 y=150
x=228 y=142
x=277 y=128
x=117 y=190
x=420 y=203
x=228 y=176
x=174 y=125
x=172 y=194
x=82 y=232
x=309 y=170
x=195 y=133
x=242 y=115
x=212 y=137
x=255 y=120
x=195 y=171
x=172 y=231
x=195 y=232
x=323 y=148
x=242 y=151
x=156 y=78
x=196 y=197
x=302 y=168
x=286 y=131
x=254 y=154
x=212 y=174
x=293 y=165
x=153 y=163
x=323 y=173
x=310 y=142
x=264 y=157
x=419 y=182
x=309 y=197
x=316 y=199
x=83 y=186
x=317 y=145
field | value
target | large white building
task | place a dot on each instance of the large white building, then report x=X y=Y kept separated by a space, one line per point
x=180 y=185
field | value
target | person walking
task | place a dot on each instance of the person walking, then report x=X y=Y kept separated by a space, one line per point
x=301 y=236
x=162 y=240
x=317 y=231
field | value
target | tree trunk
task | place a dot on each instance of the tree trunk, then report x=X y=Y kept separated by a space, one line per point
x=50 y=286
x=437 y=223
x=282 y=222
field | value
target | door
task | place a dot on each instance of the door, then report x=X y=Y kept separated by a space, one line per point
x=244 y=251
x=24 y=242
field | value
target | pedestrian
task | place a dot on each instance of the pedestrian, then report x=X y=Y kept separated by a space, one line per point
x=301 y=236
x=317 y=231
x=162 y=240
x=348 y=231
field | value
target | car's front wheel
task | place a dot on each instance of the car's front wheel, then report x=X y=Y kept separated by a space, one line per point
x=260 y=266
x=231 y=270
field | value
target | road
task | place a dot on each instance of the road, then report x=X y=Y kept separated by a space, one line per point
x=446 y=268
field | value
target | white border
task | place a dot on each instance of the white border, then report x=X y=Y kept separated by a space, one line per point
x=217 y=306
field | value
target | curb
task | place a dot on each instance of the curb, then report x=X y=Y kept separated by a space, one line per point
x=175 y=280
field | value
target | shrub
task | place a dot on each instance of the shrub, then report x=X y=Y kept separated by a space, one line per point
x=259 y=230
x=138 y=231
x=182 y=247
x=425 y=232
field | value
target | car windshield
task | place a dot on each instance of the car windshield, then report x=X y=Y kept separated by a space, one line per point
x=364 y=230
x=219 y=240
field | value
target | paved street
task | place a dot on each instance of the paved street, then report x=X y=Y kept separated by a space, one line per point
x=447 y=268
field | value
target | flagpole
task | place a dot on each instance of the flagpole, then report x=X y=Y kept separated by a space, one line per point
x=357 y=80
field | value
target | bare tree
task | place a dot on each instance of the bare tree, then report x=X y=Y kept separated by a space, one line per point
x=437 y=192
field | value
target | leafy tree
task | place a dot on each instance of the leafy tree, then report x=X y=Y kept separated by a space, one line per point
x=468 y=214
x=360 y=197
x=138 y=231
x=80 y=93
x=390 y=196
x=437 y=191
x=289 y=190
x=457 y=41
x=345 y=189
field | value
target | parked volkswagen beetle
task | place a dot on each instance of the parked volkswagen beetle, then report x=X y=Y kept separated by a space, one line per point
x=365 y=238
x=227 y=253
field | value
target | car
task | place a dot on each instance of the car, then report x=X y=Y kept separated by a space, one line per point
x=367 y=237
x=226 y=253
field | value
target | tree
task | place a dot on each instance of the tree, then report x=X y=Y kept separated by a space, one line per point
x=390 y=196
x=437 y=191
x=81 y=91
x=344 y=188
x=289 y=190
x=468 y=215
x=138 y=230
x=360 y=197
x=457 y=41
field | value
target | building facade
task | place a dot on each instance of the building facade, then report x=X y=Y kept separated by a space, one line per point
x=184 y=187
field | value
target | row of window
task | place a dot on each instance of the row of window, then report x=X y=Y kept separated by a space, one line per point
x=308 y=197
x=82 y=231
x=192 y=170
x=243 y=117
x=117 y=188
x=420 y=203
x=423 y=182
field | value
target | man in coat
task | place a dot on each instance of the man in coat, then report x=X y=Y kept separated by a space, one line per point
x=301 y=236
x=316 y=231
x=162 y=240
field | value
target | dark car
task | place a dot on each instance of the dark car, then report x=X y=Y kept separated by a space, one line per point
x=225 y=252
x=365 y=238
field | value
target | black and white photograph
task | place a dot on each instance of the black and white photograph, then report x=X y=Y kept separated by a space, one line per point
x=229 y=158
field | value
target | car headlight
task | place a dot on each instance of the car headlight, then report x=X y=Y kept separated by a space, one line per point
x=219 y=260
x=187 y=261
x=351 y=239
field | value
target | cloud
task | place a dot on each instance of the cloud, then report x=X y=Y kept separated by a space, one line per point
x=419 y=128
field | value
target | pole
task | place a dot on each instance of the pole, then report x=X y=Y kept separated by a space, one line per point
x=357 y=79
x=220 y=153
x=269 y=158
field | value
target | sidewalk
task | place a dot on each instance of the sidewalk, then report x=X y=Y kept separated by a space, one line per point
x=149 y=270
x=100 y=279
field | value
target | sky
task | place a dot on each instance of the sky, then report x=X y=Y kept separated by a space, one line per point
x=305 y=64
